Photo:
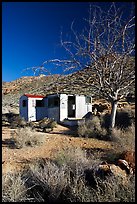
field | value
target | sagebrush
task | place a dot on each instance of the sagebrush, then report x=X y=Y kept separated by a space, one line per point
x=27 y=137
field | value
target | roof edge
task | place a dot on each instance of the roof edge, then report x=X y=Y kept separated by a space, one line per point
x=33 y=96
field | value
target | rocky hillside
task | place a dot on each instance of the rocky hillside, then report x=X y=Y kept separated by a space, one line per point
x=75 y=83
x=72 y=83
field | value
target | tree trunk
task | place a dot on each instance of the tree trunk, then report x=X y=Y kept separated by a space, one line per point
x=113 y=114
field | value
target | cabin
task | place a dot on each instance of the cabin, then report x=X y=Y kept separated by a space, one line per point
x=32 y=107
x=60 y=107
x=67 y=106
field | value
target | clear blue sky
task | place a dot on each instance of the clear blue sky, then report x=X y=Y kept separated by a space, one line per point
x=31 y=32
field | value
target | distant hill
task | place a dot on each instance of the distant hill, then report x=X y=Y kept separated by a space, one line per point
x=75 y=83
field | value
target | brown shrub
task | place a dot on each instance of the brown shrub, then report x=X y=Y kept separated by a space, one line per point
x=47 y=180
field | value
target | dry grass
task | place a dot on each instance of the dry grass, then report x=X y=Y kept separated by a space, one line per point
x=13 y=188
x=72 y=157
x=124 y=139
x=52 y=181
x=48 y=180
x=111 y=189
x=27 y=137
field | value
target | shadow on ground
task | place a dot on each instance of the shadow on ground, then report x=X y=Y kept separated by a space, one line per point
x=9 y=143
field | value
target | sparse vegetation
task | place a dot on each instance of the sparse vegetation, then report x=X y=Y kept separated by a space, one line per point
x=13 y=188
x=47 y=124
x=17 y=121
x=52 y=181
x=72 y=157
x=124 y=139
x=65 y=179
x=98 y=127
x=27 y=137
x=92 y=128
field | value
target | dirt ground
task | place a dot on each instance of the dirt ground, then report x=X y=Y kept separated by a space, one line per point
x=61 y=137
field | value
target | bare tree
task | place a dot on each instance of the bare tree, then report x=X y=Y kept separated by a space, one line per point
x=106 y=46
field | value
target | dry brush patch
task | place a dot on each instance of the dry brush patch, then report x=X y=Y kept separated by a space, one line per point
x=13 y=188
x=92 y=128
x=27 y=137
x=66 y=179
x=124 y=139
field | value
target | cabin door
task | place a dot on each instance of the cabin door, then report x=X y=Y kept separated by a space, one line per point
x=33 y=110
x=71 y=106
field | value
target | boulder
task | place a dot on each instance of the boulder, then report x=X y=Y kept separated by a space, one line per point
x=129 y=157
x=123 y=164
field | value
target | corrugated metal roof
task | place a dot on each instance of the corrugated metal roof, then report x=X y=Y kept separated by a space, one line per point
x=33 y=96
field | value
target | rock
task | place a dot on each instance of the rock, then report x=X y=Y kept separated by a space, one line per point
x=46 y=130
x=104 y=169
x=111 y=169
x=129 y=157
x=123 y=164
x=117 y=171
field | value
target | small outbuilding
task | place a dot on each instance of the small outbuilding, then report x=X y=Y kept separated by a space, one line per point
x=60 y=107
x=32 y=107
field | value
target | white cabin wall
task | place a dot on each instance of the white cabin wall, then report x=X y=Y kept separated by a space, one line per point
x=81 y=107
x=31 y=110
x=41 y=112
x=36 y=113
x=52 y=112
x=63 y=106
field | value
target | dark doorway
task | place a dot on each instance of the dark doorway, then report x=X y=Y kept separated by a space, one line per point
x=71 y=106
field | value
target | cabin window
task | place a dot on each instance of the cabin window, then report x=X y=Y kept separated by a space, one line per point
x=88 y=99
x=53 y=102
x=24 y=103
x=39 y=103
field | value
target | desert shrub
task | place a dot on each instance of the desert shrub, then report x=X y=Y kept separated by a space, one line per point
x=47 y=123
x=46 y=180
x=13 y=188
x=111 y=189
x=92 y=129
x=72 y=157
x=123 y=119
x=5 y=121
x=50 y=182
x=67 y=181
x=18 y=121
x=27 y=137
x=124 y=139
